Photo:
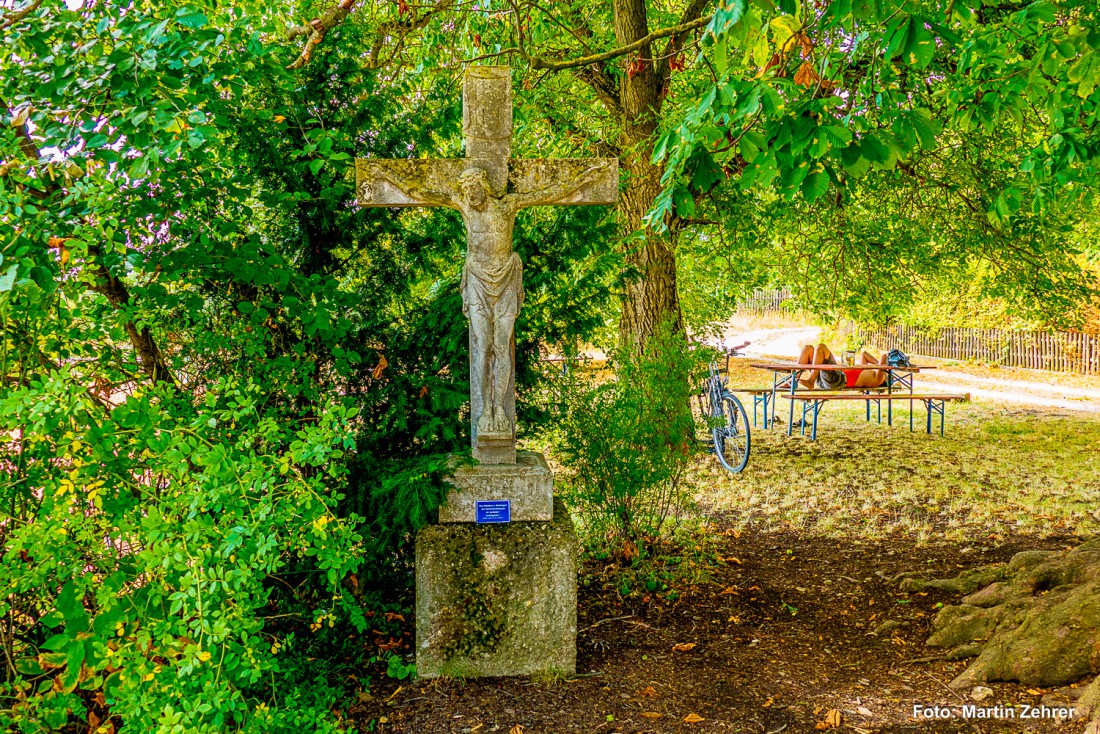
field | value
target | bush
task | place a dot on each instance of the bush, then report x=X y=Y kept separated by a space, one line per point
x=138 y=559
x=626 y=443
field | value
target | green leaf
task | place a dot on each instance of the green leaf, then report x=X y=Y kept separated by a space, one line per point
x=897 y=33
x=873 y=149
x=721 y=59
x=854 y=162
x=683 y=202
x=57 y=643
x=815 y=184
x=837 y=134
x=73 y=660
x=192 y=20
x=7 y=280
x=29 y=666
x=315 y=165
x=706 y=172
x=920 y=46
x=96 y=141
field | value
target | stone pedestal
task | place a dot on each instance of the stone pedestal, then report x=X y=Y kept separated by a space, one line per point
x=494 y=600
x=528 y=485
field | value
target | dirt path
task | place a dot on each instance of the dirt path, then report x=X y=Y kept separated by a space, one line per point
x=787 y=629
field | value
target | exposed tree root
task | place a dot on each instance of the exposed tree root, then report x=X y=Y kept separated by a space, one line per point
x=1035 y=620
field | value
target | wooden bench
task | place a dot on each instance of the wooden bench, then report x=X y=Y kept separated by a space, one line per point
x=933 y=402
x=762 y=397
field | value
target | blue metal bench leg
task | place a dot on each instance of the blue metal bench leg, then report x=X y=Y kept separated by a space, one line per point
x=805 y=405
x=790 y=418
x=767 y=399
x=868 y=406
x=817 y=409
x=928 y=405
x=943 y=410
x=889 y=403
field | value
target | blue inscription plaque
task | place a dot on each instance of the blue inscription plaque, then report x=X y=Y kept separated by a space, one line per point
x=493 y=511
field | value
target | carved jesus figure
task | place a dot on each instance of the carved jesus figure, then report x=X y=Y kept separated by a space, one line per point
x=492 y=278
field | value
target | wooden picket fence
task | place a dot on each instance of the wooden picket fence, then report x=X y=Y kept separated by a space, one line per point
x=1064 y=351
x=766 y=300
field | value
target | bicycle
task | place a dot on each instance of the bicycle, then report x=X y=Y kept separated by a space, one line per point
x=724 y=414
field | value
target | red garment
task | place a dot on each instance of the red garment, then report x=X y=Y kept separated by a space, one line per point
x=852 y=376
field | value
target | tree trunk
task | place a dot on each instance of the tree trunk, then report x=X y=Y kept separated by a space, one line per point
x=651 y=296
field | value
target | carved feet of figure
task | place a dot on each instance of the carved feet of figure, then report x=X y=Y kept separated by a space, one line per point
x=494 y=424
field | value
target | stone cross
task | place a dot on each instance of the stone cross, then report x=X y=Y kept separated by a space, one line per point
x=488 y=187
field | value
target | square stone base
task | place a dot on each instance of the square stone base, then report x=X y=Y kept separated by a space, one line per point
x=528 y=484
x=496 y=600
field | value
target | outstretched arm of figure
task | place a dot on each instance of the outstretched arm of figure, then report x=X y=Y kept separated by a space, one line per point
x=555 y=193
x=413 y=187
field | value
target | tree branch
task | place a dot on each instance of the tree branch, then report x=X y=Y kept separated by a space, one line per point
x=14 y=16
x=316 y=29
x=115 y=291
x=683 y=28
x=152 y=362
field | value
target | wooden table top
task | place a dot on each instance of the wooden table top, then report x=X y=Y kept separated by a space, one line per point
x=796 y=367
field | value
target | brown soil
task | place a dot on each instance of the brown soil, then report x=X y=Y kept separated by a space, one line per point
x=781 y=635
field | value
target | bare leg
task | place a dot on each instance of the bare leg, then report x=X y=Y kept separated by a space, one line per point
x=823 y=355
x=807 y=379
x=870 y=378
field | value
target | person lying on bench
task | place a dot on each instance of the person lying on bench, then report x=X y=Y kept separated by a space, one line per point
x=836 y=379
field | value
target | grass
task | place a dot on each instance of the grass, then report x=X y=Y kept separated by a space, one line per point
x=998 y=471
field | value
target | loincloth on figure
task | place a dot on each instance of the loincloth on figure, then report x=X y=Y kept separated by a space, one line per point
x=498 y=291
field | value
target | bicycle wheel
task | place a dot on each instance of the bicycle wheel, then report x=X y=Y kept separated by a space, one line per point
x=732 y=440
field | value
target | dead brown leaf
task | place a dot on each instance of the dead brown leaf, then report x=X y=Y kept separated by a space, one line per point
x=833 y=720
x=769 y=702
x=806 y=76
x=517 y=729
x=651 y=715
x=684 y=646
x=390 y=616
x=648 y=691
x=693 y=719
x=383 y=363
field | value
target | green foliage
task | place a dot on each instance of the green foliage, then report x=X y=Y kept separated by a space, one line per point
x=230 y=393
x=149 y=531
x=870 y=147
x=626 y=444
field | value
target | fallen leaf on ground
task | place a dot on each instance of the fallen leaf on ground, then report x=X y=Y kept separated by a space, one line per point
x=732 y=559
x=648 y=691
x=833 y=720
x=769 y=702
x=651 y=715
x=684 y=646
x=390 y=616
x=727 y=591
x=1034 y=691
x=864 y=711
x=517 y=729
x=693 y=718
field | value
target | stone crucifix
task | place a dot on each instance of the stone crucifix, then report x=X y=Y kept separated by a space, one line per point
x=488 y=187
